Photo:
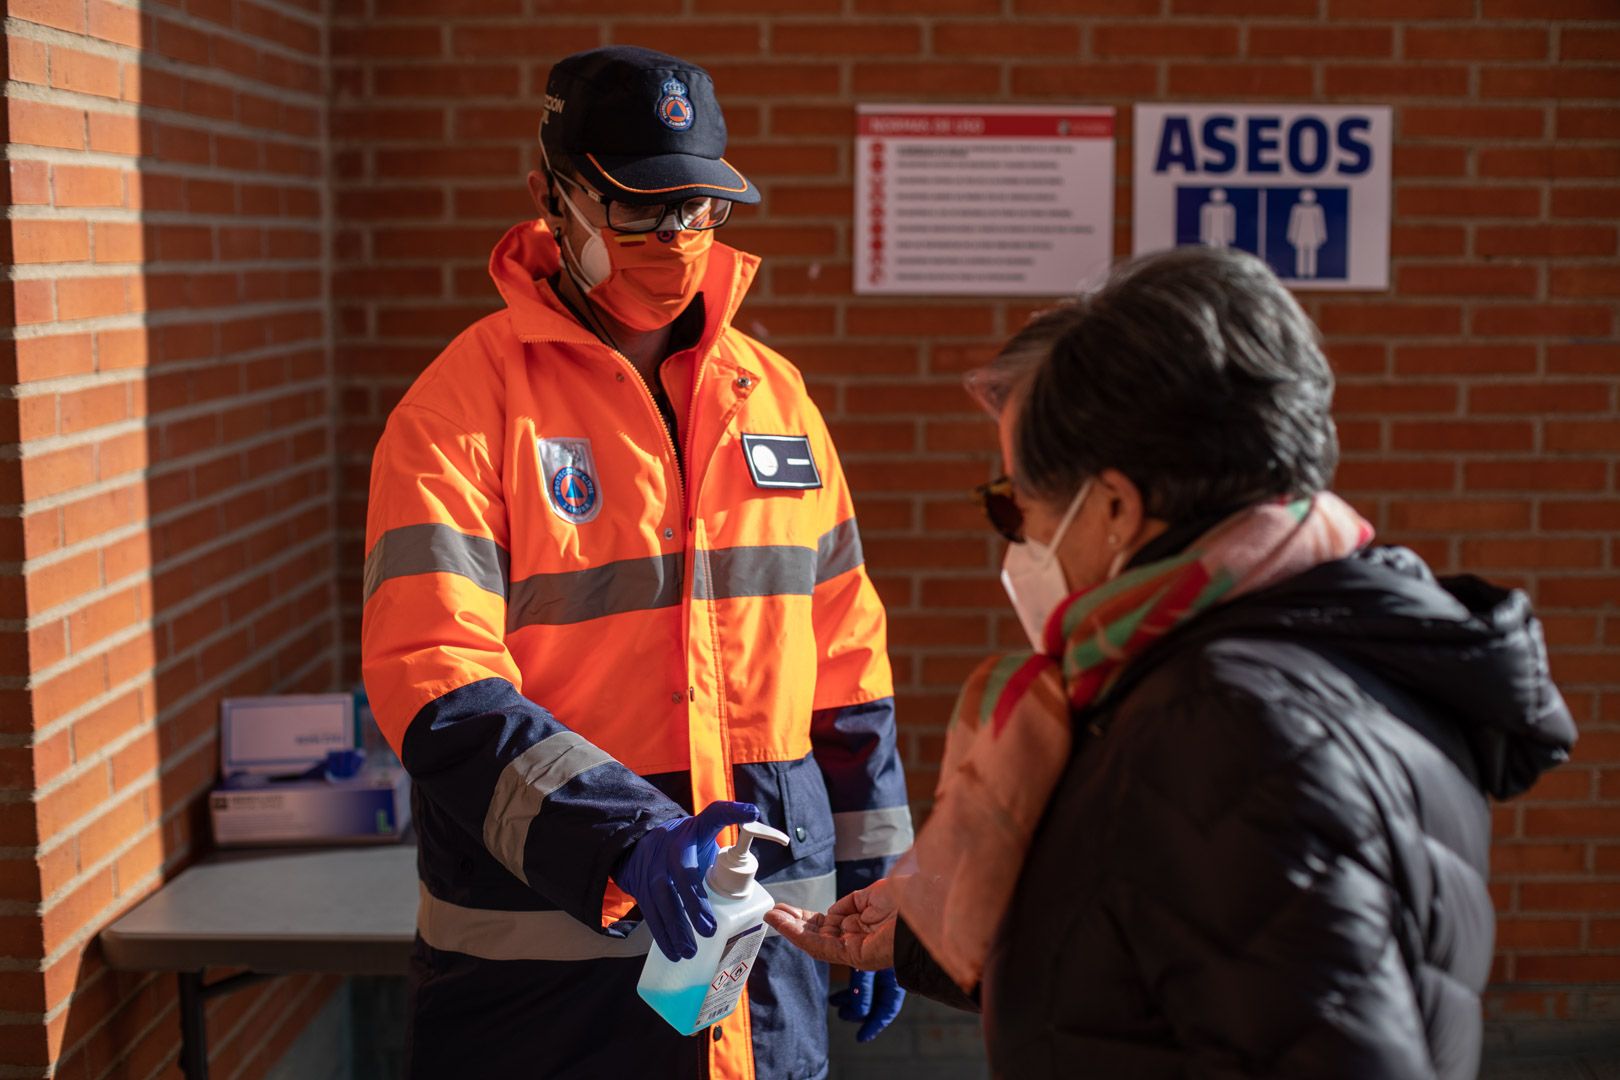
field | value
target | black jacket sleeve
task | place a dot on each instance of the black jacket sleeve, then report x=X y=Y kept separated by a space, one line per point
x=920 y=974
x=1261 y=894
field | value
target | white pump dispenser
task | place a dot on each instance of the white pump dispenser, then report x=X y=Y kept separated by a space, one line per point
x=692 y=994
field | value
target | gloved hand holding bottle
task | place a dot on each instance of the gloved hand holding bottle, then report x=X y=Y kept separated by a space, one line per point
x=664 y=873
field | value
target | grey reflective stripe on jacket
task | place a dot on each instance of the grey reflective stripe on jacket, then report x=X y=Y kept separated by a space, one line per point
x=556 y=935
x=577 y=596
x=643 y=584
x=518 y=935
x=839 y=551
x=872 y=834
x=812 y=894
x=436 y=549
x=777 y=570
x=523 y=786
x=764 y=570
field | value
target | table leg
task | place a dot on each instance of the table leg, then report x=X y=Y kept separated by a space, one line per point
x=193 y=1027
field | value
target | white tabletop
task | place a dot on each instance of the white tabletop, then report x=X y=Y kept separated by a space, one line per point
x=349 y=911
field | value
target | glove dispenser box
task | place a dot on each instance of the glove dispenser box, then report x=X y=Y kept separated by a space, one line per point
x=296 y=770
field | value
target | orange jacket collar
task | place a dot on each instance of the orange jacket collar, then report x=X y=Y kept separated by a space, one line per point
x=527 y=256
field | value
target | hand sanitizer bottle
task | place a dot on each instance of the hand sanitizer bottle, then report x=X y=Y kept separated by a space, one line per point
x=692 y=994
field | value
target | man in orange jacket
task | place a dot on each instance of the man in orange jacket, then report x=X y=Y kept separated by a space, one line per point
x=613 y=579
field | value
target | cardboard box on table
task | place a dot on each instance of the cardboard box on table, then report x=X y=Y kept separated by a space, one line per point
x=275 y=790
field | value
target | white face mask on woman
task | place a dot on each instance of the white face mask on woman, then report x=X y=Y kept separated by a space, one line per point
x=1033 y=576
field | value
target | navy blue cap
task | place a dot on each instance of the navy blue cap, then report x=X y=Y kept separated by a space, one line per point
x=640 y=127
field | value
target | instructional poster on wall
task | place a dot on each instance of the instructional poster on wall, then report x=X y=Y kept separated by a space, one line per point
x=983 y=200
x=1304 y=188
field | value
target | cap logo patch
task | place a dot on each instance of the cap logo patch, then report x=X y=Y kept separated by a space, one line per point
x=675 y=108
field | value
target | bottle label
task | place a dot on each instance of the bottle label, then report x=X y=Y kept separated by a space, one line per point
x=731 y=975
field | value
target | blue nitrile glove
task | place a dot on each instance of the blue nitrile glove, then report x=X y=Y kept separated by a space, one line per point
x=872 y=996
x=664 y=873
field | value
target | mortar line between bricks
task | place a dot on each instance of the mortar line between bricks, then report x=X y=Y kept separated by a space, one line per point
x=104 y=540
x=33 y=449
x=72 y=99
x=118 y=215
x=83 y=269
x=134 y=110
x=144 y=54
x=137 y=320
x=23 y=30
x=252 y=1018
x=67 y=384
x=141 y=166
x=134 y=633
x=160 y=1017
x=212 y=76
x=215 y=126
x=66 y=722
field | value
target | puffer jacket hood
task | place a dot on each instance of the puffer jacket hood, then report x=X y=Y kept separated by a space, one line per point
x=1469 y=650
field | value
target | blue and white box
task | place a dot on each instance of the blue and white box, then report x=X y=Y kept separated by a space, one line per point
x=287 y=763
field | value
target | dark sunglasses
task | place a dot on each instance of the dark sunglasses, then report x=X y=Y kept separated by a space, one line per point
x=1001 y=507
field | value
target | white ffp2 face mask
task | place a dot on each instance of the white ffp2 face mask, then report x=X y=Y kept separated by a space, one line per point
x=591 y=264
x=1033 y=576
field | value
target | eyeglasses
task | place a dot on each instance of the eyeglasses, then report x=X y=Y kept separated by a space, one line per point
x=701 y=213
x=1001 y=507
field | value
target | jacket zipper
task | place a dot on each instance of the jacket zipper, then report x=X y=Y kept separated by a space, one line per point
x=697 y=383
x=673 y=456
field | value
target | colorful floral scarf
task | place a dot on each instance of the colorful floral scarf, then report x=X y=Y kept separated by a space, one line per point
x=1010 y=737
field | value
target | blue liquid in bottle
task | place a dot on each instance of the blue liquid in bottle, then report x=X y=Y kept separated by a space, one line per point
x=694 y=993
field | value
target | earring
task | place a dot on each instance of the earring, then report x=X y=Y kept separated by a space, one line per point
x=1113 y=541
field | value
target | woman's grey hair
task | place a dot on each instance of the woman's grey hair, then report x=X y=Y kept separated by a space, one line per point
x=1194 y=372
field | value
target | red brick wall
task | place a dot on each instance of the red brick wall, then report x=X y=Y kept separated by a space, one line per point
x=166 y=505
x=168 y=513
x=1478 y=404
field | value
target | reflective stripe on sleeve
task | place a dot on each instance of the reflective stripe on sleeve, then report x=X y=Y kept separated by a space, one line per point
x=839 y=551
x=580 y=595
x=872 y=834
x=556 y=935
x=523 y=787
x=436 y=549
x=518 y=935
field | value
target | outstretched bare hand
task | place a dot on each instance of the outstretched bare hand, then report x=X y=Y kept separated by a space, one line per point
x=858 y=930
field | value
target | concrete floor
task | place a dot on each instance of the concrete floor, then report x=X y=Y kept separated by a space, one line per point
x=930 y=1041
x=357 y=1037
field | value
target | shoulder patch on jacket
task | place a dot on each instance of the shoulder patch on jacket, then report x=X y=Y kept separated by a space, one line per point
x=569 y=470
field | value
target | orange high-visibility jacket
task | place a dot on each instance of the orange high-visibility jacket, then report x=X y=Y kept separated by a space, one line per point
x=582 y=620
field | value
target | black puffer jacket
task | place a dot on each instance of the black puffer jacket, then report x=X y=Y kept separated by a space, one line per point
x=1267 y=855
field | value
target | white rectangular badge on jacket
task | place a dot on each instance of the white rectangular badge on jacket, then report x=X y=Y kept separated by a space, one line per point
x=781 y=461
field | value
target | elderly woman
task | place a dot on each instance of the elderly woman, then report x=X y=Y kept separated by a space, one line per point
x=1230 y=817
